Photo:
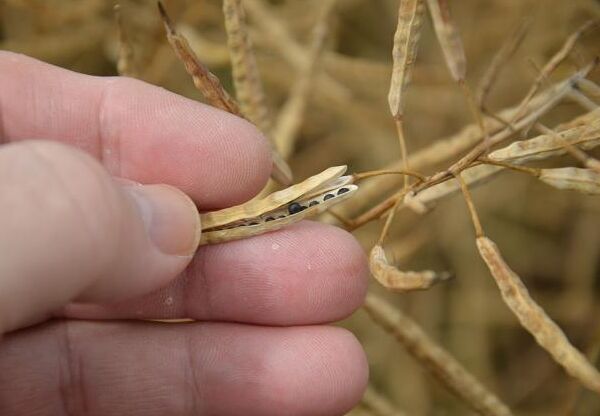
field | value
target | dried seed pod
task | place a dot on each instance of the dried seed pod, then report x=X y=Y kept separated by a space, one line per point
x=533 y=318
x=576 y=179
x=280 y=209
x=404 y=53
x=246 y=78
x=204 y=80
x=449 y=38
x=585 y=136
x=397 y=280
x=439 y=362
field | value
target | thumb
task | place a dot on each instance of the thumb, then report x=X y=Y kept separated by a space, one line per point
x=69 y=232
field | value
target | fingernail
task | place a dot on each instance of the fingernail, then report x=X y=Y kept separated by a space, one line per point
x=170 y=217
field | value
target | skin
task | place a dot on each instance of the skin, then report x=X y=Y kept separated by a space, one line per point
x=85 y=258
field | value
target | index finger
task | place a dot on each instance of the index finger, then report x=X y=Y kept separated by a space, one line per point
x=138 y=131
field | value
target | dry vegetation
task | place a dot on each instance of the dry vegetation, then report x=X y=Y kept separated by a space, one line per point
x=496 y=98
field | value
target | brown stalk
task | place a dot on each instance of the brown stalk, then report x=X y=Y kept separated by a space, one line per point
x=440 y=363
x=208 y=84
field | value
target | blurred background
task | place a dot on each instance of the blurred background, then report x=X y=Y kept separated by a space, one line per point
x=551 y=238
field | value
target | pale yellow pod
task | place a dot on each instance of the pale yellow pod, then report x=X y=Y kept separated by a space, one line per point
x=246 y=77
x=397 y=280
x=279 y=218
x=535 y=320
x=585 y=136
x=575 y=179
x=448 y=38
x=404 y=52
x=255 y=208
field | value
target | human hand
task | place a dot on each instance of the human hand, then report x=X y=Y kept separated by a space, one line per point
x=77 y=245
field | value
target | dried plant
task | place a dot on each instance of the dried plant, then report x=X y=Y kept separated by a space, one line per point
x=314 y=77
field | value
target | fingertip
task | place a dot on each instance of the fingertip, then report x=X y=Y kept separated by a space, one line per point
x=330 y=373
x=217 y=158
x=304 y=274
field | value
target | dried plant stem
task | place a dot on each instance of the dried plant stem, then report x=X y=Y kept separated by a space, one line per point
x=475 y=111
x=581 y=99
x=287 y=46
x=585 y=135
x=506 y=165
x=373 y=173
x=589 y=88
x=379 y=404
x=402 y=142
x=389 y=219
x=481 y=148
x=469 y=200
x=291 y=115
x=246 y=77
x=552 y=64
x=449 y=147
x=441 y=364
x=508 y=48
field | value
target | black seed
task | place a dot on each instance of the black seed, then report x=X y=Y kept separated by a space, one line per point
x=253 y=223
x=313 y=203
x=269 y=219
x=328 y=196
x=343 y=191
x=294 y=208
x=280 y=217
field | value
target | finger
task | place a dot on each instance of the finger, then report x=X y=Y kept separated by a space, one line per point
x=70 y=232
x=202 y=369
x=138 y=131
x=304 y=274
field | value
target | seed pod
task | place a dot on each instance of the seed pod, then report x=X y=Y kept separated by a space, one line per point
x=535 y=320
x=280 y=209
x=397 y=280
x=404 y=53
x=576 y=179
x=585 y=136
x=449 y=38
